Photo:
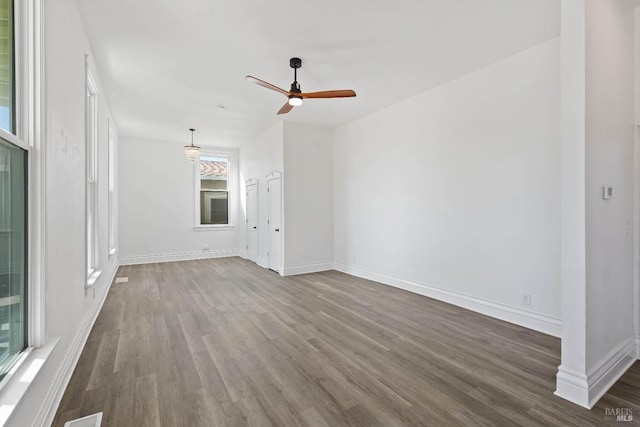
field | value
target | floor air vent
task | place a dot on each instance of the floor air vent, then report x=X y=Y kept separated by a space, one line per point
x=94 y=420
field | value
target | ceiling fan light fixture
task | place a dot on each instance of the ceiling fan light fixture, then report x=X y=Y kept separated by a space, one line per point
x=192 y=151
x=295 y=101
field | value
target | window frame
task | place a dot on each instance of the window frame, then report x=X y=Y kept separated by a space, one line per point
x=29 y=127
x=92 y=193
x=17 y=66
x=112 y=142
x=26 y=296
x=20 y=138
x=231 y=156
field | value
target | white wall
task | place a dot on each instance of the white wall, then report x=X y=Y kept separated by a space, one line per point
x=598 y=342
x=69 y=311
x=636 y=181
x=571 y=378
x=308 y=198
x=157 y=207
x=455 y=193
x=257 y=159
x=609 y=161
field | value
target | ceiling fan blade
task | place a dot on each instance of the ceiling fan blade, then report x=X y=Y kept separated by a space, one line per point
x=347 y=93
x=285 y=108
x=267 y=85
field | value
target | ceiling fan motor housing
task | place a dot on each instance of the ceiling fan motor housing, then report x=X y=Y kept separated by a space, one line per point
x=295 y=63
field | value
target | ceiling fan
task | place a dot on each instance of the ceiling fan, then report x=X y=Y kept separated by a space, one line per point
x=295 y=95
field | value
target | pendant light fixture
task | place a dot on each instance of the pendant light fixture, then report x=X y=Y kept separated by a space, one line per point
x=192 y=151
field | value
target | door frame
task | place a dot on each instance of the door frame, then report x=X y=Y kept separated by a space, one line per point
x=273 y=175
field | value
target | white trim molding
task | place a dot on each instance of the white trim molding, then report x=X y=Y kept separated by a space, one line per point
x=273 y=175
x=586 y=390
x=242 y=253
x=24 y=371
x=51 y=401
x=609 y=369
x=540 y=322
x=37 y=176
x=638 y=346
x=233 y=170
x=263 y=262
x=572 y=386
x=177 y=256
x=214 y=227
x=307 y=268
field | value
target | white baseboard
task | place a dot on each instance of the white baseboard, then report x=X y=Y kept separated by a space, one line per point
x=47 y=411
x=263 y=262
x=242 y=253
x=572 y=386
x=536 y=321
x=638 y=346
x=307 y=268
x=610 y=368
x=177 y=256
x=586 y=390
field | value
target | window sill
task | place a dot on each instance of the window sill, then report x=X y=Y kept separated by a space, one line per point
x=16 y=383
x=214 y=227
x=93 y=277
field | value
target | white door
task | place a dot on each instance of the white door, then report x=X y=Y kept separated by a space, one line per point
x=275 y=224
x=252 y=222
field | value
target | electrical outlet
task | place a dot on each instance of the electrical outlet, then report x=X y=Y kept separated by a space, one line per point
x=526 y=298
x=205 y=248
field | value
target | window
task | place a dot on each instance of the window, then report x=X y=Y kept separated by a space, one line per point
x=7 y=86
x=23 y=349
x=112 y=199
x=215 y=179
x=13 y=254
x=13 y=207
x=92 y=179
x=214 y=189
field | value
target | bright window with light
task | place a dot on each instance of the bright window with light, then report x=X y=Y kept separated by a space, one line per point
x=214 y=190
x=7 y=85
x=13 y=254
x=13 y=207
x=112 y=177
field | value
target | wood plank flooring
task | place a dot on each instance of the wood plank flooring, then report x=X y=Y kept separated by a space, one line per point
x=226 y=343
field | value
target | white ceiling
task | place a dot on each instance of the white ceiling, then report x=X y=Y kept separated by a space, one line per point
x=167 y=65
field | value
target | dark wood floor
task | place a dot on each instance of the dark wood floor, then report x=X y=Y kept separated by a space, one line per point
x=226 y=343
